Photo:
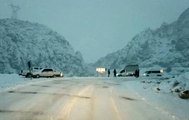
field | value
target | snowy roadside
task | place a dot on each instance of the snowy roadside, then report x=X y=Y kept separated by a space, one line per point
x=166 y=85
x=13 y=81
x=162 y=93
x=10 y=80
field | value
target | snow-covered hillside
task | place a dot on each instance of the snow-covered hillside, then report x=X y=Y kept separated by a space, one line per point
x=23 y=41
x=166 y=46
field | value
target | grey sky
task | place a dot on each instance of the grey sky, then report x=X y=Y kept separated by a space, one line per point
x=97 y=27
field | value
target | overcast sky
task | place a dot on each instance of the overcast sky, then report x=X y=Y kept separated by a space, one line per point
x=97 y=27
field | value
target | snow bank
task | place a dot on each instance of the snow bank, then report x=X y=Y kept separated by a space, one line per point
x=158 y=92
x=8 y=80
x=167 y=83
x=177 y=84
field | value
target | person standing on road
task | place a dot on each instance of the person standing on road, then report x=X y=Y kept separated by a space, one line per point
x=29 y=74
x=108 y=72
x=137 y=73
x=115 y=72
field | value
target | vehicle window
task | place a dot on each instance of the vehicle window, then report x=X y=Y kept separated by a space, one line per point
x=155 y=71
x=122 y=71
x=45 y=70
x=50 y=70
x=148 y=72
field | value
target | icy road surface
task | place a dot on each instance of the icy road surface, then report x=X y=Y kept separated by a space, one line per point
x=78 y=99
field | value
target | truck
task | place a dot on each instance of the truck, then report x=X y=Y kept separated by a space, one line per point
x=129 y=70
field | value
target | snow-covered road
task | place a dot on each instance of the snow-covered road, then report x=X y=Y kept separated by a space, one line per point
x=75 y=98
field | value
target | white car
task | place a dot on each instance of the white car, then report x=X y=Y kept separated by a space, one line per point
x=27 y=73
x=47 y=73
x=153 y=73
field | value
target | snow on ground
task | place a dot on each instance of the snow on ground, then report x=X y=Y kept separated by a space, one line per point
x=168 y=84
x=12 y=81
x=162 y=92
x=9 y=80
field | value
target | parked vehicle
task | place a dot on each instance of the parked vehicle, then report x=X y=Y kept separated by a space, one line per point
x=23 y=72
x=121 y=73
x=47 y=73
x=153 y=73
x=129 y=70
x=27 y=73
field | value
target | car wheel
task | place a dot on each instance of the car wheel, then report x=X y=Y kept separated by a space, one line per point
x=37 y=76
x=28 y=75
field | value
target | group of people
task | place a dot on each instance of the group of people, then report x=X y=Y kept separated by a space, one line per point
x=114 y=72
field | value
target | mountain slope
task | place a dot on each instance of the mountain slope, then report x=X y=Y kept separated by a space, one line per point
x=166 y=46
x=22 y=41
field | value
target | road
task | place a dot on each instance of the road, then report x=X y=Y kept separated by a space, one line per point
x=77 y=99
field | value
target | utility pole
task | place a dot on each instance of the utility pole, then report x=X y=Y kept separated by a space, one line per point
x=15 y=9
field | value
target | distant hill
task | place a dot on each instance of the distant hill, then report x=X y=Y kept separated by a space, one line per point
x=167 y=46
x=23 y=41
